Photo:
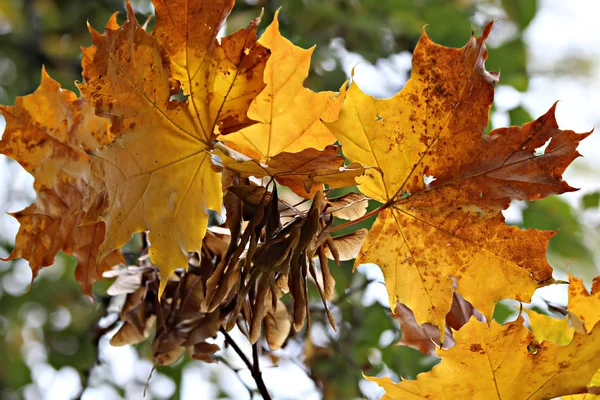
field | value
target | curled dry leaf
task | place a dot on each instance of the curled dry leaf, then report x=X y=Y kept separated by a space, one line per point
x=180 y=321
x=48 y=133
x=137 y=311
x=128 y=280
x=437 y=237
x=426 y=337
x=291 y=116
x=144 y=175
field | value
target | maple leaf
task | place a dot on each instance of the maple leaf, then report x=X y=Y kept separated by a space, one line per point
x=48 y=132
x=157 y=174
x=221 y=79
x=291 y=115
x=545 y=327
x=559 y=331
x=304 y=172
x=582 y=311
x=499 y=365
x=434 y=238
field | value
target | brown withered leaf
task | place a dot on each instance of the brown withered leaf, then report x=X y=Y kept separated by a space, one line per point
x=48 y=133
x=426 y=337
x=304 y=172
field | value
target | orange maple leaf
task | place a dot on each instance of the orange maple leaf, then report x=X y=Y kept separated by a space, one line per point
x=444 y=182
x=48 y=133
x=156 y=176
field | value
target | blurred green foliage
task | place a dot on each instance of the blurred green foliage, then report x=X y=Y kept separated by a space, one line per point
x=591 y=200
x=553 y=213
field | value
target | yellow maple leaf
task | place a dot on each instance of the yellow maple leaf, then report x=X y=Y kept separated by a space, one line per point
x=157 y=174
x=497 y=362
x=48 y=133
x=444 y=183
x=290 y=115
x=545 y=327
x=584 y=307
x=594 y=383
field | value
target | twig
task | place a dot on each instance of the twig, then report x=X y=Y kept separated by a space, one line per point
x=98 y=333
x=257 y=374
x=254 y=368
x=291 y=207
x=237 y=373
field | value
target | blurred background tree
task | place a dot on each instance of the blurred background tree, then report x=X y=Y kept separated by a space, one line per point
x=51 y=338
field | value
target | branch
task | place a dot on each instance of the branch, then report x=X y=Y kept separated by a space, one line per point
x=98 y=333
x=237 y=373
x=254 y=368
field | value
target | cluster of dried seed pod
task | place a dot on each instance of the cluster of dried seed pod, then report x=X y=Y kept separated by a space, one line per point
x=246 y=268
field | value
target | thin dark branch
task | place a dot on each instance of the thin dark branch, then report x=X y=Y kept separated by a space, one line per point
x=257 y=374
x=255 y=358
x=237 y=373
x=254 y=368
x=98 y=333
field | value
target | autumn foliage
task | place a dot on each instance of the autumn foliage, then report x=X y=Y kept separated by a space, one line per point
x=190 y=139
